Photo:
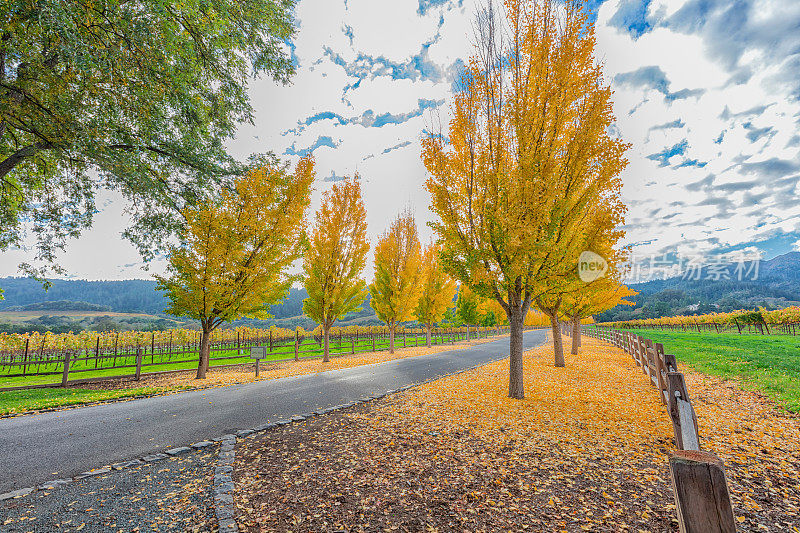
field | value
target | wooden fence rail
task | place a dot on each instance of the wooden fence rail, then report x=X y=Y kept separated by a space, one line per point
x=135 y=361
x=698 y=477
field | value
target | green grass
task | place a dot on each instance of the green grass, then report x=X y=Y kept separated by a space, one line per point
x=31 y=399
x=313 y=350
x=767 y=363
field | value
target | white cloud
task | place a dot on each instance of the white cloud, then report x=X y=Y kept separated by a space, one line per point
x=709 y=101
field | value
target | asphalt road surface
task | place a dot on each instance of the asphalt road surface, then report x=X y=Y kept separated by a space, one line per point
x=38 y=448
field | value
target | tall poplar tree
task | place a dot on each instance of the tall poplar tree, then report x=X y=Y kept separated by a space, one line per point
x=335 y=258
x=527 y=152
x=437 y=290
x=396 y=288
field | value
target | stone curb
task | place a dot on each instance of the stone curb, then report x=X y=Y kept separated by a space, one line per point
x=226 y=453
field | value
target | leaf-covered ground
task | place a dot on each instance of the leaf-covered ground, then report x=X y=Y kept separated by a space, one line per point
x=586 y=450
x=12 y=402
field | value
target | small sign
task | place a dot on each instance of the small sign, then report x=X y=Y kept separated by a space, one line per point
x=258 y=352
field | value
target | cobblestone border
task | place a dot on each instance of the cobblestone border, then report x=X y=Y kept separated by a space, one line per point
x=223 y=485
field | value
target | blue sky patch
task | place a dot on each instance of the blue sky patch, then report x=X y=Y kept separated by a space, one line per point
x=664 y=156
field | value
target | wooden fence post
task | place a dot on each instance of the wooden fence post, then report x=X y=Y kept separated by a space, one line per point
x=684 y=419
x=138 y=363
x=701 y=493
x=296 y=346
x=661 y=372
x=373 y=341
x=65 y=374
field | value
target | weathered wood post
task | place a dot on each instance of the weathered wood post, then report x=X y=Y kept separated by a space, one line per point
x=296 y=346
x=684 y=419
x=373 y=341
x=138 y=363
x=661 y=373
x=352 y=346
x=701 y=493
x=25 y=359
x=65 y=374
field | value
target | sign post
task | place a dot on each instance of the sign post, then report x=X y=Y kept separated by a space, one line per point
x=258 y=353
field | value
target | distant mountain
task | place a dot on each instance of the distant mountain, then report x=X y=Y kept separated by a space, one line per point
x=772 y=284
x=129 y=296
x=60 y=305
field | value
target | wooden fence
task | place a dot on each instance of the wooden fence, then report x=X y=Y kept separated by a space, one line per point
x=67 y=366
x=698 y=477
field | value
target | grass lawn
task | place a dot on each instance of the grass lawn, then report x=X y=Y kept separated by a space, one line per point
x=767 y=363
x=27 y=400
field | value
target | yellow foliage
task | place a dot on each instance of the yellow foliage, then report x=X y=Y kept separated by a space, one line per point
x=336 y=255
x=437 y=289
x=396 y=289
x=236 y=250
x=528 y=168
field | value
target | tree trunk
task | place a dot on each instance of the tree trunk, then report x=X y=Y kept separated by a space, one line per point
x=558 y=345
x=391 y=338
x=516 y=387
x=326 y=340
x=467 y=332
x=428 y=335
x=205 y=351
x=576 y=335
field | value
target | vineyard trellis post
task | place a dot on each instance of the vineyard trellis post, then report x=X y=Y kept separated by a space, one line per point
x=65 y=373
x=25 y=366
x=138 y=363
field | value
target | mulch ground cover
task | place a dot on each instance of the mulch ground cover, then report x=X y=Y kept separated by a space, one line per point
x=585 y=451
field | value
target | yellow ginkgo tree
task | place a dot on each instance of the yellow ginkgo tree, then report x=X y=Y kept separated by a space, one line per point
x=437 y=290
x=236 y=250
x=529 y=150
x=395 y=291
x=335 y=258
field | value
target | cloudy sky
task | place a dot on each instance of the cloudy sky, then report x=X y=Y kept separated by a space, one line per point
x=707 y=91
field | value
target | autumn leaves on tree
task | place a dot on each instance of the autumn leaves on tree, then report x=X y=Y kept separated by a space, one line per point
x=335 y=259
x=527 y=165
x=396 y=288
x=236 y=251
x=523 y=181
x=437 y=291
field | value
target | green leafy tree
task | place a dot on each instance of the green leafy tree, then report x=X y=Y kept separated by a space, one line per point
x=137 y=97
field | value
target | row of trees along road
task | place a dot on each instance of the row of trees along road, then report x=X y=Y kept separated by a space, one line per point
x=526 y=177
x=236 y=252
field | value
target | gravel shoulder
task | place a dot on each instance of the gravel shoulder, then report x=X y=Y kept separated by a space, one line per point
x=174 y=494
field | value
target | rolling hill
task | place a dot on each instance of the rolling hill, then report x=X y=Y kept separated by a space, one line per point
x=776 y=285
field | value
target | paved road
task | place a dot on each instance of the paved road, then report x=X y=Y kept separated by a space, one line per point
x=38 y=448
